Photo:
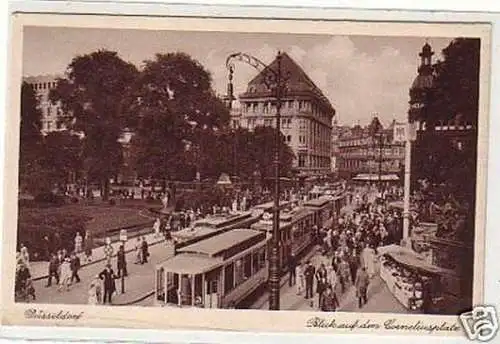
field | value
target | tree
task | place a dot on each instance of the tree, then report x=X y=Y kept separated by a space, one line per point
x=62 y=156
x=98 y=92
x=178 y=109
x=454 y=99
x=456 y=83
x=30 y=139
x=262 y=150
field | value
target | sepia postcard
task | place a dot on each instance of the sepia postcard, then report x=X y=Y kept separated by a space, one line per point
x=247 y=175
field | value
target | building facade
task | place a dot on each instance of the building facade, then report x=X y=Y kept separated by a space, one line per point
x=306 y=116
x=51 y=113
x=361 y=153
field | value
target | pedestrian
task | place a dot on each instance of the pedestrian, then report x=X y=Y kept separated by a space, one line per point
x=108 y=276
x=329 y=301
x=78 y=243
x=321 y=279
x=309 y=277
x=53 y=270
x=92 y=293
x=89 y=245
x=65 y=275
x=138 y=251
x=145 y=252
x=75 y=266
x=108 y=250
x=157 y=227
x=361 y=283
x=292 y=264
x=299 y=272
x=121 y=262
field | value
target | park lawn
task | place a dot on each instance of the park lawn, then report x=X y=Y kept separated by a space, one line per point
x=97 y=219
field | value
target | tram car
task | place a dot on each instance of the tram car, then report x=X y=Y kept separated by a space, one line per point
x=295 y=232
x=323 y=210
x=213 y=225
x=218 y=272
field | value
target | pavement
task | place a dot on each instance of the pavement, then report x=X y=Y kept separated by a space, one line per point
x=39 y=269
x=139 y=283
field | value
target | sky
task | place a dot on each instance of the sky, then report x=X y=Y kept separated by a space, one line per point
x=360 y=75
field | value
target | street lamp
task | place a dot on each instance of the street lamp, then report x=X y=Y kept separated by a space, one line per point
x=274 y=81
x=409 y=137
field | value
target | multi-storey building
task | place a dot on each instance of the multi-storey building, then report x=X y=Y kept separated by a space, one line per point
x=361 y=153
x=51 y=113
x=306 y=116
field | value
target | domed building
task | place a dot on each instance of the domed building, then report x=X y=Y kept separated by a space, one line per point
x=421 y=89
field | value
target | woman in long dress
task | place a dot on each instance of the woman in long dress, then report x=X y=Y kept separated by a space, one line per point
x=65 y=279
x=92 y=300
x=369 y=260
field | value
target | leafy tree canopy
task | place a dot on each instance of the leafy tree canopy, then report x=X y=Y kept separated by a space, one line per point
x=97 y=92
x=177 y=108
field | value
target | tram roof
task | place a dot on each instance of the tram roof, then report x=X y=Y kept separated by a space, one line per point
x=220 y=243
x=218 y=220
x=189 y=264
x=318 y=202
x=269 y=205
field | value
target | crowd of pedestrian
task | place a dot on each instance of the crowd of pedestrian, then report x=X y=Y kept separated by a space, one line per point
x=348 y=252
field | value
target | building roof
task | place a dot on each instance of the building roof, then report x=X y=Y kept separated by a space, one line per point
x=423 y=81
x=41 y=78
x=297 y=83
x=220 y=243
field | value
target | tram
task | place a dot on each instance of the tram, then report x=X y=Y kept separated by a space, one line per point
x=213 y=225
x=295 y=228
x=323 y=210
x=218 y=272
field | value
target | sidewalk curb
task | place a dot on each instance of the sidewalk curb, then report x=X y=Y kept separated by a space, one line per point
x=139 y=299
x=96 y=261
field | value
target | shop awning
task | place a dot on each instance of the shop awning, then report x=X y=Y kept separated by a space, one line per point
x=376 y=177
x=410 y=258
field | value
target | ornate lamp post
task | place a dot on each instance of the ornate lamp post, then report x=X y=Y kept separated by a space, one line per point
x=410 y=135
x=274 y=80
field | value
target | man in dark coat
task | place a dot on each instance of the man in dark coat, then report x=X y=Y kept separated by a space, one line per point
x=121 y=262
x=53 y=270
x=361 y=283
x=321 y=283
x=108 y=275
x=75 y=266
x=329 y=300
x=145 y=252
x=292 y=264
x=309 y=276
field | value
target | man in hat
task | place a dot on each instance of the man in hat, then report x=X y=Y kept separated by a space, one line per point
x=309 y=277
x=108 y=276
x=361 y=283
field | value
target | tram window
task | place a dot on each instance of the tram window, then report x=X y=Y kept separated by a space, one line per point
x=186 y=285
x=255 y=262
x=248 y=265
x=238 y=272
x=198 y=290
x=229 y=277
x=262 y=260
x=160 y=284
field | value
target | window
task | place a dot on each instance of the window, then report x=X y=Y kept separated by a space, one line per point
x=239 y=276
x=302 y=160
x=289 y=138
x=248 y=266
x=229 y=277
x=262 y=256
x=255 y=262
